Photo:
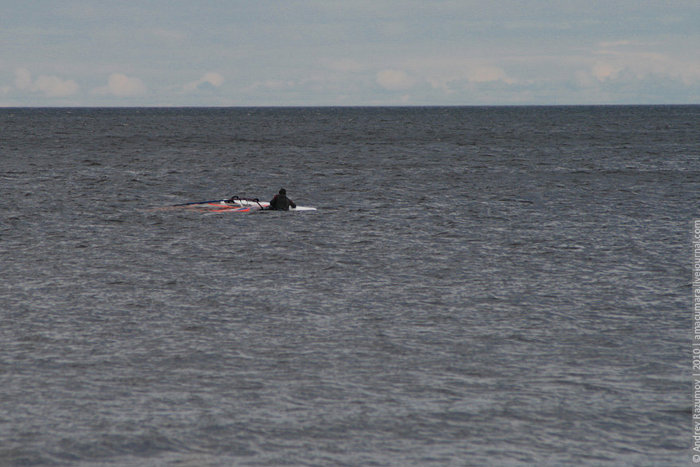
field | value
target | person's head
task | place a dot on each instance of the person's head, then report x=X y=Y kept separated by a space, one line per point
x=283 y=191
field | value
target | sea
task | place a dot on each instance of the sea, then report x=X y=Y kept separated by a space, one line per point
x=479 y=286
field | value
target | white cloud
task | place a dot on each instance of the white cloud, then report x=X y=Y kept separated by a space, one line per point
x=23 y=79
x=120 y=85
x=604 y=71
x=675 y=59
x=454 y=75
x=53 y=86
x=637 y=60
x=50 y=86
x=394 y=80
x=487 y=74
x=209 y=79
x=273 y=85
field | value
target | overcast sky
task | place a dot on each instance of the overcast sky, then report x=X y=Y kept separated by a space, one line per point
x=348 y=52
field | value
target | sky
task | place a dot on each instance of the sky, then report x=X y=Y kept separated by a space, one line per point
x=348 y=52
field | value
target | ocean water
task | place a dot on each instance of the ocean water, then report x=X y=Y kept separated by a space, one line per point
x=479 y=286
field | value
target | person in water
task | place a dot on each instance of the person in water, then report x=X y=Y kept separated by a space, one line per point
x=280 y=202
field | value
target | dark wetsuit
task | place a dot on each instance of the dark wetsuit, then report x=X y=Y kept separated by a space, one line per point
x=281 y=203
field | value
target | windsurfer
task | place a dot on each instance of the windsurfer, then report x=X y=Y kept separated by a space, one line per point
x=280 y=202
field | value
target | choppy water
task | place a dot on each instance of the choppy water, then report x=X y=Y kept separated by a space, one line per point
x=479 y=286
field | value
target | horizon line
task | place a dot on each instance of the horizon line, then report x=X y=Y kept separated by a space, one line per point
x=320 y=106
